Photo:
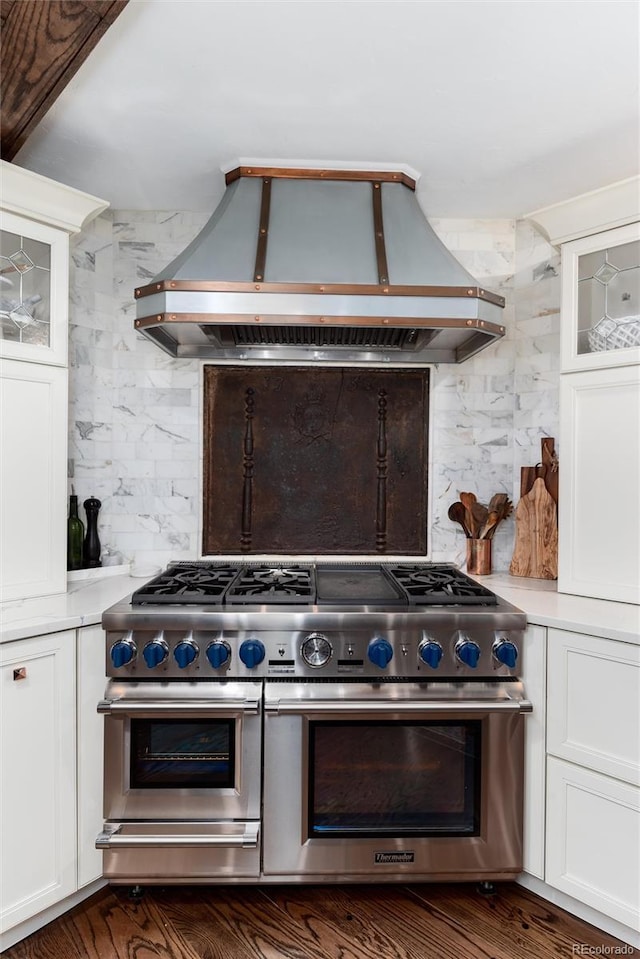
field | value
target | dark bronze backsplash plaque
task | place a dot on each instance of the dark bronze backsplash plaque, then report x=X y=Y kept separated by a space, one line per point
x=315 y=460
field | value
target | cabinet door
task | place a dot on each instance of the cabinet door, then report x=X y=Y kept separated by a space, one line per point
x=34 y=264
x=33 y=440
x=599 y=516
x=601 y=300
x=593 y=696
x=91 y=686
x=593 y=837
x=37 y=774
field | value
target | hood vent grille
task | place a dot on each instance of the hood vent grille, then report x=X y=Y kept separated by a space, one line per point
x=318 y=337
x=328 y=265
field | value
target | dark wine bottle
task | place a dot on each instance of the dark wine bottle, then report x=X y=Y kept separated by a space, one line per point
x=91 y=550
x=75 y=535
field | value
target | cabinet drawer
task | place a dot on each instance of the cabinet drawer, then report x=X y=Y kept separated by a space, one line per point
x=593 y=836
x=592 y=713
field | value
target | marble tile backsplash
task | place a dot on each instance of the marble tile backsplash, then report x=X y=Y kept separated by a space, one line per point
x=135 y=413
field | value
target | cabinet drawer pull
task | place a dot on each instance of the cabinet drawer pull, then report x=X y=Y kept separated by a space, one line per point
x=20 y=673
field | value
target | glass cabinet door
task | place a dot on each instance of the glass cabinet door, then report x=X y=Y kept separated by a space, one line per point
x=33 y=291
x=601 y=299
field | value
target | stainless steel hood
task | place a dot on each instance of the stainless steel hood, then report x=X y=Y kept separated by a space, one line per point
x=327 y=265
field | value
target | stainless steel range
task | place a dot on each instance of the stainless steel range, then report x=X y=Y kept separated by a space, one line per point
x=311 y=722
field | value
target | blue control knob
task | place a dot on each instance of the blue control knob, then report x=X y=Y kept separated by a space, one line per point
x=185 y=653
x=155 y=653
x=251 y=652
x=468 y=653
x=219 y=653
x=506 y=653
x=430 y=653
x=380 y=652
x=122 y=653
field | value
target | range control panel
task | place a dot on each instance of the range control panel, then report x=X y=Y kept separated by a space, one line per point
x=484 y=652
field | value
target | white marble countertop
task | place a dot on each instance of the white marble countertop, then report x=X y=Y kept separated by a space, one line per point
x=545 y=606
x=85 y=601
x=82 y=605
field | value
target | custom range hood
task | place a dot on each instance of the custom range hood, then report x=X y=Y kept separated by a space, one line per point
x=332 y=265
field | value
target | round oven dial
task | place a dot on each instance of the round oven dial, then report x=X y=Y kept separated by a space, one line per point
x=316 y=650
x=506 y=652
x=430 y=653
x=380 y=652
x=468 y=652
x=155 y=652
x=218 y=653
x=185 y=653
x=123 y=652
x=251 y=652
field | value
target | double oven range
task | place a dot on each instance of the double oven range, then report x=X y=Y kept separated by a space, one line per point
x=313 y=722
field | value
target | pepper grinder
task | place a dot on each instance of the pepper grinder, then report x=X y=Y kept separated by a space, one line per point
x=91 y=548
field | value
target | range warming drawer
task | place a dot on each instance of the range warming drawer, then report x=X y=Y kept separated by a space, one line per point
x=180 y=852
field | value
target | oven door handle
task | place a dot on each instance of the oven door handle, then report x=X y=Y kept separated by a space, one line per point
x=177 y=707
x=310 y=707
x=111 y=839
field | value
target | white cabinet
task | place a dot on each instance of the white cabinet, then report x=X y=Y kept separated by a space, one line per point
x=37 y=217
x=599 y=515
x=37 y=774
x=33 y=444
x=601 y=300
x=593 y=838
x=593 y=773
x=51 y=774
x=91 y=686
x=34 y=260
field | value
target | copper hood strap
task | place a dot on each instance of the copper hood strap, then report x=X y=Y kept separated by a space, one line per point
x=263 y=230
x=378 y=228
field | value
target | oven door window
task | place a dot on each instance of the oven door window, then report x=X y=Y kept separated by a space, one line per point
x=394 y=778
x=182 y=753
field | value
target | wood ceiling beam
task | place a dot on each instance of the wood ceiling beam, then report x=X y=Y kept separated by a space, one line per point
x=43 y=45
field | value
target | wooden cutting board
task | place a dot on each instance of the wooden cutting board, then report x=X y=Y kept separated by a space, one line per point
x=547 y=468
x=535 y=552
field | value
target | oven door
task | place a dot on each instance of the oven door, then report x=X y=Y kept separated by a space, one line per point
x=182 y=751
x=394 y=780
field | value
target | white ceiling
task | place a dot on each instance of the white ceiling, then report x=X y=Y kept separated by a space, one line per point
x=502 y=107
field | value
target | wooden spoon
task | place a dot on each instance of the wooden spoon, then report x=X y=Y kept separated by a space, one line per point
x=503 y=512
x=490 y=524
x=480 y=513
x=467 y=500
x=497 y=500
x=458 y=514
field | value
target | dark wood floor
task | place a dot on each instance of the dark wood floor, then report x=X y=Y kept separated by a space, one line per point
x=315 y=922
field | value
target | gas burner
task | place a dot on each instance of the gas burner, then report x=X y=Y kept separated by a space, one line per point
x=273 y=584
x=440 y=585
x=185 y=582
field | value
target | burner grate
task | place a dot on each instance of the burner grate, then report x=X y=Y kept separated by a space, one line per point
x=440 y=585
x=272 y=585
x=184 y=582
